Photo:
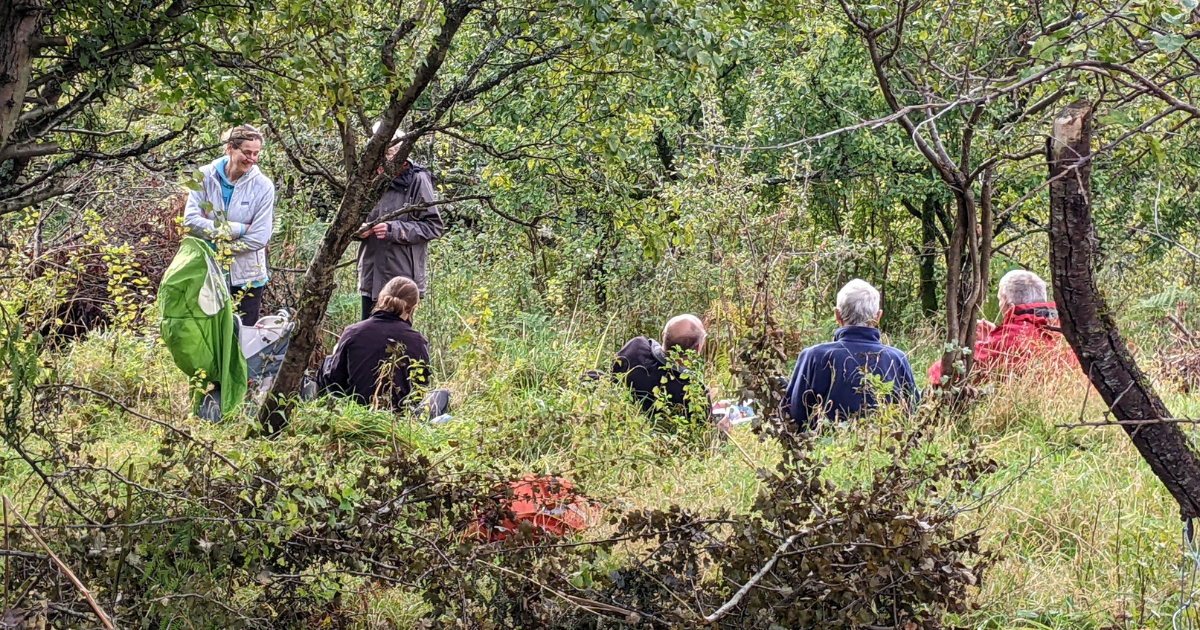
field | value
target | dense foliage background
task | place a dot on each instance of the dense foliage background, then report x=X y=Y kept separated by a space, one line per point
x=614 y=164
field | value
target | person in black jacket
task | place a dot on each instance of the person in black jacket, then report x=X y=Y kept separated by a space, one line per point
x=654 y=373
x=382 y=358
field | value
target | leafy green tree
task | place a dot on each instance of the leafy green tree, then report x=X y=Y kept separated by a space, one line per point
x=70 y=74
x=965 y=83
x=429 y=70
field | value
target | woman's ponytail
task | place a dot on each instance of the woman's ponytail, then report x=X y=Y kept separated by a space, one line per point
x=398 y=297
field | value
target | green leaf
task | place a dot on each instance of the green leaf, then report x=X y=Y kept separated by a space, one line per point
x=1169 y=43
x=1040 y=46
x=1156 y=149
x=1030 y=71
x=1177 y=19
x=1117 y=117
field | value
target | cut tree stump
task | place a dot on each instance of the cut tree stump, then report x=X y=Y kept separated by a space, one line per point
x=1087 y=322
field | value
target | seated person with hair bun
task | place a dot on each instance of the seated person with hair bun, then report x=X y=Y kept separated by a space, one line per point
x=383 y=343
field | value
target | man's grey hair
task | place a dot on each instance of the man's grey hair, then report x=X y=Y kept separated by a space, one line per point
x=685 y=331
x=1021 y=287
x=858 y=303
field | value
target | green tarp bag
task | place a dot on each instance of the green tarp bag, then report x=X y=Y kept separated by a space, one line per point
x=198 y=324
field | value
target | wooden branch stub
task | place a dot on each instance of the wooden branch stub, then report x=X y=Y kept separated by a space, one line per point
x=1087 y=322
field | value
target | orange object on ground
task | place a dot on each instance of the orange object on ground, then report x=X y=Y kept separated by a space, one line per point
x=550 y=504
x=1029 y=334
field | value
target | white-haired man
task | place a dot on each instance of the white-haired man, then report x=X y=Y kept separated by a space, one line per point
x=399 y=247
x=1028 y=329
x=654 y=374
x=828 y=379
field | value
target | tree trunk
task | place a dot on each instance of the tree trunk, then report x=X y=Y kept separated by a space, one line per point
x=20 y=21
x=966 y=281
x=315 y=292
x=362 y=191
x=928 y=256
x=1087 y=322
x=985 y=234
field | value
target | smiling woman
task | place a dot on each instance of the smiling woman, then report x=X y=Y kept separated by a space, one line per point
x=234 y=208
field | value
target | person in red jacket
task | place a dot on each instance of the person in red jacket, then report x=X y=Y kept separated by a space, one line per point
x=1028 y=331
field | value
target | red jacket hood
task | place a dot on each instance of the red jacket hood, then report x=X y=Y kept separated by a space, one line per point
x=1025 y=323
x=1028 y=331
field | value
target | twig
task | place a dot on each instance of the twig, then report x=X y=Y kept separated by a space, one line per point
x=164 y=424
x=1166 y=239
x=413 y=207
x=16 y=446
x=61 y=565
x=1187 y=334
x=7 y=572
x=30 y=586
x=14 y=553
x=66 y=611
x=1117 y=400
x=89 y=132
x=1087 y=392
x=737 y=597
x=580 y=602
x=1136 y=423
x=532 y=223
x=483 y=199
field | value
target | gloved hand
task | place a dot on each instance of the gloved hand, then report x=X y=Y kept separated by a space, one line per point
x=232 y=230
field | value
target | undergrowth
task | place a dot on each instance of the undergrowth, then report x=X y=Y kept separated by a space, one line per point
x=1075 y=529
x=354 y=517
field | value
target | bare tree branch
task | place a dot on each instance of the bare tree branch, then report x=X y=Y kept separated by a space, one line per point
x=20 y=203
x=741 y=592
x=388 y=53
x=28 y=150
x=8 y=506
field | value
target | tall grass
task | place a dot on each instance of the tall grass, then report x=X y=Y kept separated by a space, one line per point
x=1086 y=536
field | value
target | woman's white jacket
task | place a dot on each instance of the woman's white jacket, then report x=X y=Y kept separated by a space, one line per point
x=248 y=221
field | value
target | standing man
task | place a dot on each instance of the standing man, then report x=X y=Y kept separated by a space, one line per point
x=400 y=246
x=828 y=380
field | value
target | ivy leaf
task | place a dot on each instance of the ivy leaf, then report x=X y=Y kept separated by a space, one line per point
x=1169 y=43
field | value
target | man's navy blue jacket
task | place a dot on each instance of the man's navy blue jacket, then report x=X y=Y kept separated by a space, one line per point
x=829 y=376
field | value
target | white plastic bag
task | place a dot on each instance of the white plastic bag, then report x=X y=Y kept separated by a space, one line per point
x=266 y=331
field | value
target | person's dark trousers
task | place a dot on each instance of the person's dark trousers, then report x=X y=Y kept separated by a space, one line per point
x=248 y=302
x=368 y=305
x=435 y=403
